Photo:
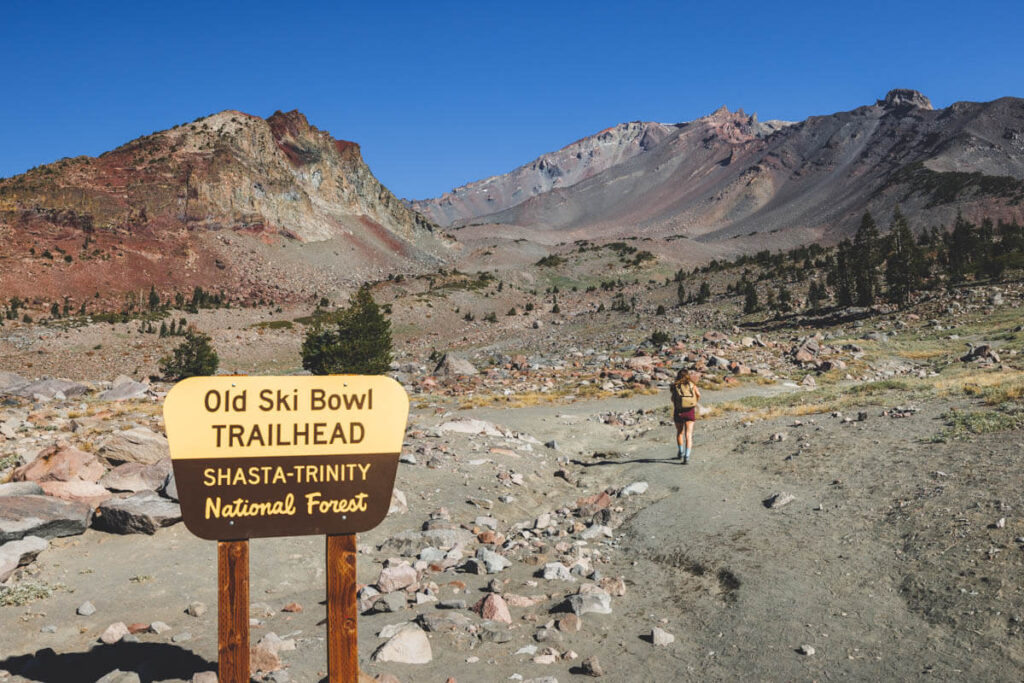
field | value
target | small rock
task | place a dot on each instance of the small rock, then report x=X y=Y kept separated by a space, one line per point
x=292 y=607
x=493 y=608
x=570 y=623
x=86 y=609
x=182 y=637
x=114 y=633
x=408 y=646
x=196 y=609
x=661 y=637
x=556 y=571
x=806 y=650
x=159 y=627
x=19 y=553
x=118 y=676
x=492 y=561
x=591 y=667
x=777 y=500
x=205 y=677
x=396 y=578
x=634 y=489
x=595 y=601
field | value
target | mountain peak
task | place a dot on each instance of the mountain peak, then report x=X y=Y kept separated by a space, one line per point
x=903 y=97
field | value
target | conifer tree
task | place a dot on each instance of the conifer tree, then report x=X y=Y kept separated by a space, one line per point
x=961 y=247
x=841 y=276
x=864 y=259
x=352 y=340
x=903 y=266
x=750 y=303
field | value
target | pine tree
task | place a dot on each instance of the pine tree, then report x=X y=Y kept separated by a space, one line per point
x=750 y=303
x=352 y=340
x=815 y=295
x=785 y=300
x=704 y=293
x=681 y=294
x=842 y=275
x=961 y=247
x=903 y=266
x=193 y=357
x=154 y=298
x=865 y=258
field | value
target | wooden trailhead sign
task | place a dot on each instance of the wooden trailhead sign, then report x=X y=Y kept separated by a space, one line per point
x=285 y=456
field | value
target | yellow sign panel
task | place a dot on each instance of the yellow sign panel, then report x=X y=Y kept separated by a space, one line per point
x=283 y=456
x=223 y=417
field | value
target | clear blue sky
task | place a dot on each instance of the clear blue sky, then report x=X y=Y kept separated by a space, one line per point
x=442 y=93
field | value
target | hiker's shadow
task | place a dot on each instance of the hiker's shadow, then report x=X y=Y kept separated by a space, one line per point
x=151 y=661
x=622 y=461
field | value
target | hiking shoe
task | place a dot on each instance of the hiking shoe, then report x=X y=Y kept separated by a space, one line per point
x=686 y=460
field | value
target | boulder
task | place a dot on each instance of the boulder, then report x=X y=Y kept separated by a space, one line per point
x=20 y=488
x=9 y=382
x=144 y=513
x=49 y=389
x=61 y=462
x=715 y=337
x=19 y=553
x=41 y=516
x=452 y=366
x=409 y=543
x=170 y=487
x=125 y=391
x=408 y=646
x=88 y=492
x=138 y=444
x=469 y=425
x=137 y=476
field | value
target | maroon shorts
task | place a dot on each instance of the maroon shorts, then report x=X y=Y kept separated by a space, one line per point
x=688 y=415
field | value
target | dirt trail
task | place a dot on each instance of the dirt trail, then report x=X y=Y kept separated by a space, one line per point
x=740 y=586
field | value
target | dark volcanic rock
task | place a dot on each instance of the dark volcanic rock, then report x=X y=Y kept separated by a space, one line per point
x=142 y=513
x=41 y=516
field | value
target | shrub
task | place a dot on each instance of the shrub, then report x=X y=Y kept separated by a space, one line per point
x=658 y=338
x=192 y=357
x=352 y=340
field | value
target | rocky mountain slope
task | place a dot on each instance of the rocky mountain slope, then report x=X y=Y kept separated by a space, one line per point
x=726 y=175
x=261 y=206
x=566 y=167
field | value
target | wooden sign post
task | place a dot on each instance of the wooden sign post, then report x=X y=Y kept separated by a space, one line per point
x=285 y=456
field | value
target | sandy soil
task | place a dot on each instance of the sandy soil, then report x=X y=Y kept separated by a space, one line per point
x=885 y=563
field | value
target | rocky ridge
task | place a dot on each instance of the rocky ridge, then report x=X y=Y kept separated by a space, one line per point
x=200 y=204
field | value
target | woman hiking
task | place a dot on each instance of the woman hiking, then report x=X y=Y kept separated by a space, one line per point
x=685 y=396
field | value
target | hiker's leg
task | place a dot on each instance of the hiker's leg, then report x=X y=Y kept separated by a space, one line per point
x=689 y=434
x=680 y=430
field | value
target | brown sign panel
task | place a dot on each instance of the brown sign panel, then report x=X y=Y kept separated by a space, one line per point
x=285 y=456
